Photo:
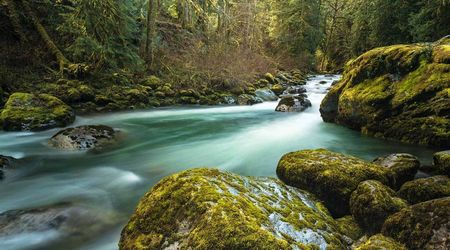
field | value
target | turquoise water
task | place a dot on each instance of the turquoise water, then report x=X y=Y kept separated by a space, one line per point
x=158 y=142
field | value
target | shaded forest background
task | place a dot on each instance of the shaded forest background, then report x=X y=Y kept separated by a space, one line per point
x=187 y=41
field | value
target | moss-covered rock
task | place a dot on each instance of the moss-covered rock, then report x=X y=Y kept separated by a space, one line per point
x=441 y=162
x=84 y=138
x=372 y=202
x=350 y=228
x=297 y=103
x=266 y=95
x=421 y=226
x=6 y=162
x=246 y=99
x=270 y=78
x=210 y=209
x=35 y=112
x=398 y=92
x=404 y=166
x=378 y=242
x=331 y=176
x=425 y=189
x=278 y=89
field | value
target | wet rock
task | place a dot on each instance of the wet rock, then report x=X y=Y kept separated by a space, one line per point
x=294 y=90
x=421 y=226
x=84 y=138
x=270 y=78
x=425 y=189
x=35 y=112
x=404 y=166
x=210 y=209
x=266 y=95
x=378 y=242
x=331 y=176
x=230 y=100
x=6 y=162
x=323 y=82
x=278 y=89
x=350 y=228
x=371 y=203
x=293 y=104
x=441 y=162
x=247 y=99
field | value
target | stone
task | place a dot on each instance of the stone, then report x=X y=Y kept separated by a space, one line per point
x=425 y=189
x=378 y=242
x=246 y=99
x=84 y=138
x=266 y=95
x=293 y=104
x=404 y=166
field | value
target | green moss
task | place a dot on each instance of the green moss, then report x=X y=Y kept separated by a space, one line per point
x=278 y=89
x=349 y=227
x=441 y=54
x=209 y=209
x=331 y=176
x=25 y=111
x=270 y=78
x=425 y=189
x=371 y=203
x=441 y=161
x=379 y=242
x=421 y=226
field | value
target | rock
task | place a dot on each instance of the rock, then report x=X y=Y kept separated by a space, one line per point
x=371 y=203
x=35 y=112
x=323 y=82
x=6 y=162
x=421 y=226
x=293 y=90
x=278 y=89
x=395 y=92
x=246 y=99
x=441 y=162
x=425 y=189
x=270 y=78
x=51 y=223
x=266 y=95
x=84 y=138
x=331 y=176
x=350 y=228
x=293 y=104
x=378 y=242
x=210 y=209
x=404 y=166
x=230 y=100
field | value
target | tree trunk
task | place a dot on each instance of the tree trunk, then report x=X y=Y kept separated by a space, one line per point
x=151 y=31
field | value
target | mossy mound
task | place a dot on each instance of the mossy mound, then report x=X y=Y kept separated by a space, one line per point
x=378 y=242
x=371 y=203
x=331 y=176
x=35 y=112
x=425 y=189
x=278 y=89
x=398 y=92
x=210 y=209
x=421 y=226
x=349 y=227
x=404 y=166
x=441 y=162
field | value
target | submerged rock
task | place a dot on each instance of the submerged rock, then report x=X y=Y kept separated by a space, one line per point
x=404 y=166
x=397 y=92
x=378 y=242
x=246 y=99
x=293 y=104
x=6 y=162
x=421 y=226
x=84 y=137
x=210 y=209
x=35 y=112
x=372 y=202
x=331 y=176
x=441 y=162
x=266 y=95
x=425 y=189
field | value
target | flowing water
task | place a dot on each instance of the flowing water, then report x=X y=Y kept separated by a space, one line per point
x=247 y=140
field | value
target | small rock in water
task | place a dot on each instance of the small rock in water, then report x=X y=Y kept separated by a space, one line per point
x=246 y=99
x=266 y=95
x=293 y=90
x=323 y=82
x=84 y=137
x=293 y=104
x=6 y=162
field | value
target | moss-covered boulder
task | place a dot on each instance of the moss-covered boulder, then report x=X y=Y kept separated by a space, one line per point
x=297 y=103
x=84 y=138
x=350 y=228
x=6 y=162
x=441 y=162
x=372 y=202
x=378 y=242
x=398 y=92
x=35 y=112
x=246 y=99
x=421 y=226
x=278 y=89
x=404 y=167
x=425 y=189
x=210 y=209
x=270 y=78
x=331 y=176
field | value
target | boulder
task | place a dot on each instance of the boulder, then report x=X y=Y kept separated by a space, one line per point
x=35 y=112
x=404 y=166
x=350 y=228
x=293 y=104
x=398 y=92
x=210 y=209
x=270 y=78
x=294 y=90
x=246 y=99
x=425 y=189
x=6 y=162
x=266 y=95
x=329 y=175
x=441 y=162
x=84 y=138
x=229 y=99
x=371 y=203
x=378 y=242
x=421 y=226
x=278 y=89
